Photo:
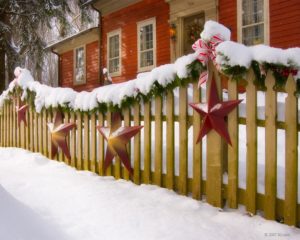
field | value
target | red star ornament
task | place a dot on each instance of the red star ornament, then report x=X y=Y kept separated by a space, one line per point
x=59 y=132
x=21 y=113
x=214 y=113
x=117 y=137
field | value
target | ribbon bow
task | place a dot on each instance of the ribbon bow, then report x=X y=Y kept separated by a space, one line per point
x=206 y=51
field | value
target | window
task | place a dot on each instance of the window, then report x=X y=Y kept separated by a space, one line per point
x=253 y=21
x=79 y=65
x=146 y=45
x=114 y=53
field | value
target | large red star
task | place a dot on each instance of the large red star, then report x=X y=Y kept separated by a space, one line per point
x=117 y=137
x=59 y=132
x=214 y=113
x=21 y=112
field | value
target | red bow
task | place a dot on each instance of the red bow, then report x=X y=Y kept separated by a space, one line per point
x=206 y=51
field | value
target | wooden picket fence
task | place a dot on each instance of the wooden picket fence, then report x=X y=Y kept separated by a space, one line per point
x=87 y=147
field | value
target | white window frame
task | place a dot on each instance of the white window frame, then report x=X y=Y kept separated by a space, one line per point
x=109 y=35
x=139 y=26
x=266 y=22
x=74 y=66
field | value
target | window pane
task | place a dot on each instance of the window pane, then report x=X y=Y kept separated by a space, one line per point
x=146 y=58
x=114 y=65
x=114 y=54
x=146 y=37
x=79 y=65
x=253 y=11
x=114 y=46
x=253 y=35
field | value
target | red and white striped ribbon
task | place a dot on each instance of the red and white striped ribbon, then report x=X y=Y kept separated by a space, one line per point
x=206 y=51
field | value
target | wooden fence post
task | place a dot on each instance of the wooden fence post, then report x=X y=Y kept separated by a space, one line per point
x=251 y=127
x=197 y=149
x=170 y=140
x=233 y=150
x=291 y=153
x=101 y=145
x=183 y=128
x=93 y=143
x=137 y=146
x=158 y=141
x=86 y=142
x=271 y=148
x=127 y=123
x=214 y=168
x=147 y=143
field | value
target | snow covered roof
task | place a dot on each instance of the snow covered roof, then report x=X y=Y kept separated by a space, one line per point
x=68 y=43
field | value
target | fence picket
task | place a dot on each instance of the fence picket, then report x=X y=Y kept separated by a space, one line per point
x=73 y=140
x=9 y=124
x=49 y=120
x=27 y=130
x=101 y=146
x=232 y=195
x=214 y=168
x=170 y=140
x=147 y=143
x=137 y=145
x=291 y=154
x=45 y=132
x=251 y=128
x=79 y=141
x=66 y=120
x=93 y=143
x=35 y=142
x=126 y=114
x=31 y=128
x=183 y=128
x=108 y=171
x=197 y=149
x=86 y=142
x=271 y=148
x=158 y=141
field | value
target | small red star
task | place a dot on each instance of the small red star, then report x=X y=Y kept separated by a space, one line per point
x=214 y=113
x=117 y=138
x=59 y=132
x=21 y=112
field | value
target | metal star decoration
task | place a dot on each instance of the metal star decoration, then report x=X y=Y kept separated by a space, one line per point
x=117 y=137
x=59 y=132
x=21 y=113
x=214 y=113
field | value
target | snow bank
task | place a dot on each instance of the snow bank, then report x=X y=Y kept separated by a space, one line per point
x=89 y=207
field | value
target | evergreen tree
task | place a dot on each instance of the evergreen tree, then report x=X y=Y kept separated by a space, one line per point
x=22 y=23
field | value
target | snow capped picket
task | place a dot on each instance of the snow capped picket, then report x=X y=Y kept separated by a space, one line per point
x=232 y=54
x=212 y=28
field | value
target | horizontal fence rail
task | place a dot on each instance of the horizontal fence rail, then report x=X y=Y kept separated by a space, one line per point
x=165 y=152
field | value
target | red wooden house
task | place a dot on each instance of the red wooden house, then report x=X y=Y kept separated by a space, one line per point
x=137 y=35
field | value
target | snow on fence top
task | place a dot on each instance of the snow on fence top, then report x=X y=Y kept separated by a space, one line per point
x=227 y=55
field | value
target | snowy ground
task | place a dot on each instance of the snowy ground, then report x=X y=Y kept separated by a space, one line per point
x=43 y=199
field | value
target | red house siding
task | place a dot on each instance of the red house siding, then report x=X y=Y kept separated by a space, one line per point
x=127 y=19
x=228 y=16
x=66 y=69
x=284 y=21
x=92 y=68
